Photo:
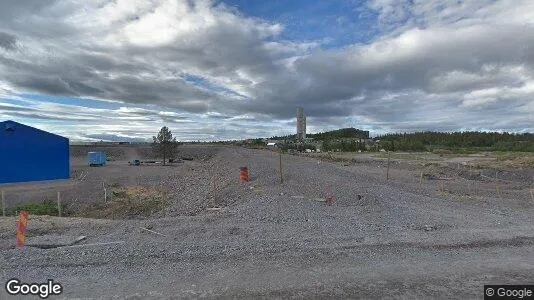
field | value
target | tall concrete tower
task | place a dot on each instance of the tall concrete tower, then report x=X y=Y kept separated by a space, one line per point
x=301 y=125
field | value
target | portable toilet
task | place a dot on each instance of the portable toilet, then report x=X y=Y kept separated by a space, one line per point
x=96 y=158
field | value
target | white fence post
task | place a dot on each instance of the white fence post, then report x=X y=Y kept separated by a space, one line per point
x=3 y=204
x=59 y=203
x=105 y=191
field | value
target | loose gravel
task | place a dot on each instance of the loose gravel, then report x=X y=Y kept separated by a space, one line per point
x=379 y=239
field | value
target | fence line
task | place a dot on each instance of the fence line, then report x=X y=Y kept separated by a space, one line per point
x=80 y=191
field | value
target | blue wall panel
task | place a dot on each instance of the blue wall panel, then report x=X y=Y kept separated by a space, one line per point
x=30 y=154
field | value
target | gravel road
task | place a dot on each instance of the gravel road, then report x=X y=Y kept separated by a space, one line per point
x=270 y=240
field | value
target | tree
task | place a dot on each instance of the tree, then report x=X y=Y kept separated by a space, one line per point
x=164 y=145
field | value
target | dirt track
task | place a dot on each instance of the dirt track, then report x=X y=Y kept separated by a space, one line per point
x=277 y=241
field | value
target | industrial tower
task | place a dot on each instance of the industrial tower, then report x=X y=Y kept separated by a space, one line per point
x=301 y=125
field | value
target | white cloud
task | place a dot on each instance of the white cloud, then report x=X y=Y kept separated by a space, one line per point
x=472 y=60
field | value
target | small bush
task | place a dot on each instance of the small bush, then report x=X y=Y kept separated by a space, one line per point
x=133 y=202
x=47 y=207
x=115 y=185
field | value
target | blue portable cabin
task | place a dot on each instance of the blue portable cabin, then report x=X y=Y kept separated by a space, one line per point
x=96 y=158
x=30 y=154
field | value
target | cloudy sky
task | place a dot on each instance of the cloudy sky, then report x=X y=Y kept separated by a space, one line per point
x=212 y=70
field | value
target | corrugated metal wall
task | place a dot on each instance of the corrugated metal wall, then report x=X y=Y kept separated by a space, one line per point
x=30 y=154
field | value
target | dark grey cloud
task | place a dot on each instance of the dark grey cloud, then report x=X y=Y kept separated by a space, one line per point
x=12 y=9
x=113 y=138
x=49 y=117
x=8 y=41
x=6 y=108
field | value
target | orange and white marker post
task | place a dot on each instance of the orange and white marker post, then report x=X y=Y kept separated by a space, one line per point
x=21 y=228
x=243 y=174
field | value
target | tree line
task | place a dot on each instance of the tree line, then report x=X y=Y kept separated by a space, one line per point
x=344 y=133
x=428 y=140
x=351 y=140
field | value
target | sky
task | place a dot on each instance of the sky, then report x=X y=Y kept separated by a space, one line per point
x=119 y=70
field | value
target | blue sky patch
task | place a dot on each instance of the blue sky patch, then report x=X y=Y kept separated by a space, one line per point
x=337 y=23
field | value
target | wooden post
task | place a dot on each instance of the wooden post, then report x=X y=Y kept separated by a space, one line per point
x=497 y=185
x=280 y=168
x=468 y=187
x=387 y=171
x=214 y=192
x=3 y=204
x=59 y=204
x=105 y=191
x=421 y=179
x=469 y=172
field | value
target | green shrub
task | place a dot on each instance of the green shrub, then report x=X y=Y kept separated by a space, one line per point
x=47 y=207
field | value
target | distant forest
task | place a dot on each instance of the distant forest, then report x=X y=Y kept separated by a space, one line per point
x=344 y=133
x=347 y=139
x=423 y=141
x=491 y=141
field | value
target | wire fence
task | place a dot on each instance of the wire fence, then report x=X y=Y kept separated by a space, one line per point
x=466 y=179
x=457 y=180
x=70 y=196
x=91 y=186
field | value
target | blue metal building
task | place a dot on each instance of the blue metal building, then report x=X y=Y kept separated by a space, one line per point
x=30 y=154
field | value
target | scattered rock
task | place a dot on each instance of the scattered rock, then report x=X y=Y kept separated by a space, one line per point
x=53 y=241
x=429 y=176
x=429 y=227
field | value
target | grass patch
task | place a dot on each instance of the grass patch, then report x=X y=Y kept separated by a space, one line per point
x=516 y=159
x=47 y=207
x=115 y=185
x=128 y=203
x=503 y=155
x=403 y=155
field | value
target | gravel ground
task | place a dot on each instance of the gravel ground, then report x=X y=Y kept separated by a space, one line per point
x=86 y=185
x=379 y=239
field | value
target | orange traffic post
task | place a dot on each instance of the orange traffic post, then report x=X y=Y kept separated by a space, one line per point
x=21 y=228
x=244 y=174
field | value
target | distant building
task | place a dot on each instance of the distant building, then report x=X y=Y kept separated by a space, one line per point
x=272 y=145
x=29 y=154
x=301 y=125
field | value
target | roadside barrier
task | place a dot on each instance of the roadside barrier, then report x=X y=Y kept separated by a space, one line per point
x=244 y=174
x=21 y=228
